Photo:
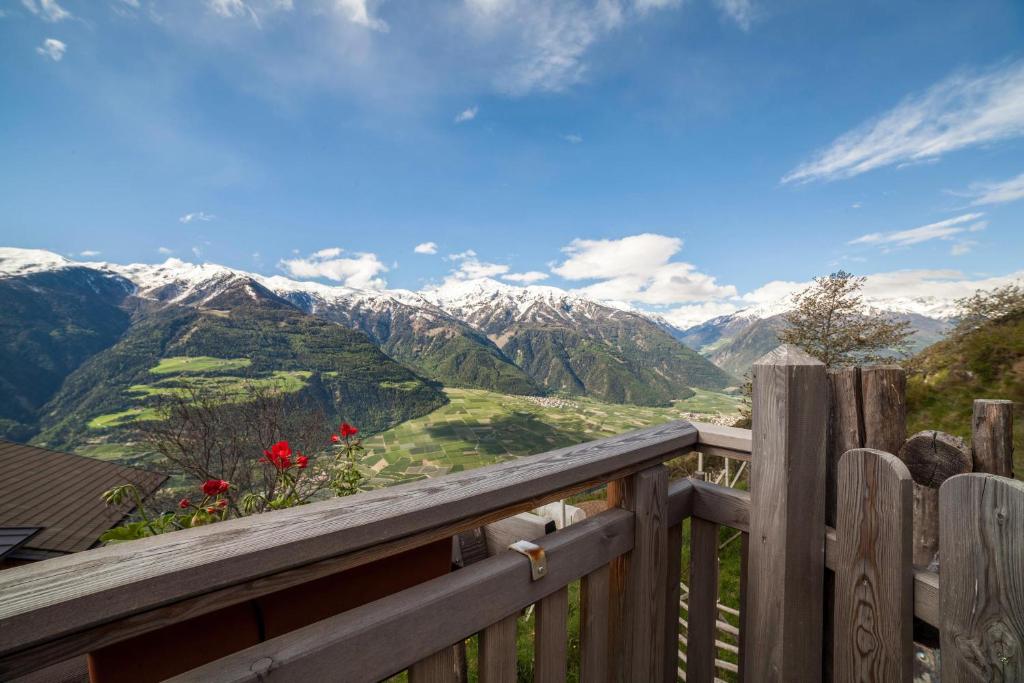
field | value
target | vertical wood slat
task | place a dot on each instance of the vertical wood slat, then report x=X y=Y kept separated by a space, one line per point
x=672 y=591
x=636 y=640
x=981 y=578
x=702 y=604
x=787 y=525
x=594 y=626
x=550 y=644
x=497 y=652
x=992 y=437
x=440 y=667
x=874 y=599
x=741 y=639
x=884 y=401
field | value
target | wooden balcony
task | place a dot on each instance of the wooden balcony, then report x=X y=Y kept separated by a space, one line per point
x=627 y=559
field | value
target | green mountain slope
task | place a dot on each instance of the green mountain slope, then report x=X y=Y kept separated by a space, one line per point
x=339 y=368
x=945 y=378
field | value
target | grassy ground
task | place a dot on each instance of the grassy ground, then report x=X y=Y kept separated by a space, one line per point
x=198 y=364
x=480 y=428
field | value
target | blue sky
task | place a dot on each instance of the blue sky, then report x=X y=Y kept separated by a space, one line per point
x=677 y=155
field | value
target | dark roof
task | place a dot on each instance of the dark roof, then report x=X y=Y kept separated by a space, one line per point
x=11 y=538
x=60 y=493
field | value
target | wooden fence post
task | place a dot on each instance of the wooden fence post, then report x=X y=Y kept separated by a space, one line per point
x=637 y=592
x=884 y=400
x=787 y=525
x=702 y=603
x=874 y=600
x=992 y=437
x=497 y=651
x=981 y=578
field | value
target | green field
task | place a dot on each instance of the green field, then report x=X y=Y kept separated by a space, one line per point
x=198 y=364
x=480 y=428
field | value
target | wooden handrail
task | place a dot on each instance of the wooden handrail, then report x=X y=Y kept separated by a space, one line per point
x=62 y=607
x=726 y=442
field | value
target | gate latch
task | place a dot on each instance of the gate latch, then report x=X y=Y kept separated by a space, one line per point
x=534 y=553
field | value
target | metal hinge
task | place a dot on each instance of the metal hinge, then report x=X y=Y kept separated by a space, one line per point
x=534 y=553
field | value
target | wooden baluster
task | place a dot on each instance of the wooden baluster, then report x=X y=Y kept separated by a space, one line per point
x=550 y=643
x=874 y=599
x=440 y=667
x=594 y=626
x=884 y=392
x=981 y=578
x=786 y=562
x=702 y=612
x=637 y=594
x=671 y=618
x=498 y=661
x=741 y=638
x=992 y=437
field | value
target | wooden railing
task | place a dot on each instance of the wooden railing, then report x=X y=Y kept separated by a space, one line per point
x=627 y=559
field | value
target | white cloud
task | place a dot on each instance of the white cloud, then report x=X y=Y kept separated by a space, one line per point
x=997 y=192
x=88 y=253
x=426 y=248
x=362 y=271
x=638 y=269
x=964 y=110
x=52 y=48
x=197 y=252
x=962 y=247
x=527 y=277
x=944 y=230
x=48 y=10
x=358 y=12
x=466 y=114
x=196 y=216
x=573 y=138
x=164 y=250
x=694 y=314
x=740 y=11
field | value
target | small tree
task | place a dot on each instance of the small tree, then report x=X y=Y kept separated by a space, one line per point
x=831 y=323
x=989 y=305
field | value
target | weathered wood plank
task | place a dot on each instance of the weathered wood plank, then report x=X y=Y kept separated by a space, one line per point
x=741 y=637
x=47 y=600
x=636 y=633
x=982 y=578
x=722 y=441
x=377 y=640
x=550 y=644
x=884 y=402
x=787 y=525
x=992 y=437
x=874 y=601
x=497 y=658
x=594 y=626
x=680 y=500
x=440 y=667
x=525 y=526
x=702 y=613
x=845 y=428
x=672 y=595
x=722 y=505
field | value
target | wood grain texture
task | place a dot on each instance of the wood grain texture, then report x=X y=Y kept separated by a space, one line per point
x=982 y=578
x=741 y=637
x=787 y=524
x=440 y=667
x=497 y=651
x=672 y=593
x=884 y=401
x=551 y=637
x=680 y=500
x=722 y=441
x=702 y=612
x=48 y=600
x=722 y=505
x=504 y=532
x=992 y=437
x=845 y=428
x=874 y=591
x=379 y=639
x=594 y=626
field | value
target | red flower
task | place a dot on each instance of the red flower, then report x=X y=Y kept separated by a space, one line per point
x=211 y=510
x=214 y=487
x=348 y=430
x=335 y=438
x=302 y=461
x=184 y=503
x=279 y=455
x=223 y=502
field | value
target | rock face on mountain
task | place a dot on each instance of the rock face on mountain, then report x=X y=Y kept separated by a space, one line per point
x=570 y=344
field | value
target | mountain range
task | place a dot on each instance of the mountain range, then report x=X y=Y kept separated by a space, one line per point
x=89 y=347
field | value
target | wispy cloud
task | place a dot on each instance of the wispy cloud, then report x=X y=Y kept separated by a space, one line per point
x=166 y=251
x=966 y=109
x=197 y=216
x=466 y=114
x=47 y=10
x=638 y=269
x=573 y=138
x=941 y=230
x=526 y=278
x=997 y=192
x=426 y=248
x=52 y=48
x=88 y=253
x=360 y=271
x=740 y=11
x=962 y=247
x=470 y=267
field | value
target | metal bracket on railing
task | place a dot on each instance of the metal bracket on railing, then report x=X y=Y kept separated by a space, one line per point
x=534 y=553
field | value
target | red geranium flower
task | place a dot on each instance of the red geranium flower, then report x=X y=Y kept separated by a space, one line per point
x=223 y=502
x=302 y=461
x=348 y=430
x=335 y=438
x=214 y=487
x=211 y=510
x=184 y=503
x=279 y=455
